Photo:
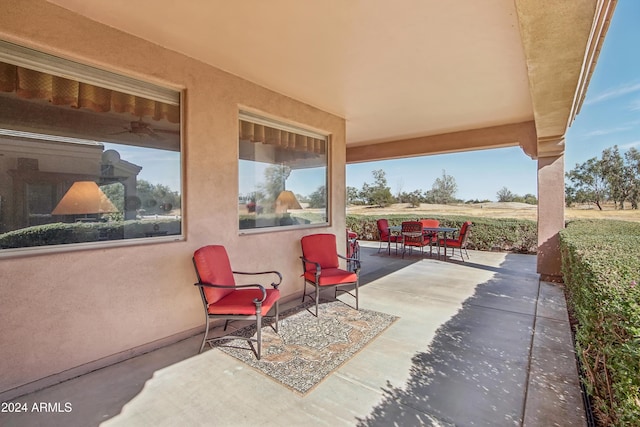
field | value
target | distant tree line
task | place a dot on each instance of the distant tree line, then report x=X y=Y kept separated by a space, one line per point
x=443 y=191
x=611 y=178
x=505 y=195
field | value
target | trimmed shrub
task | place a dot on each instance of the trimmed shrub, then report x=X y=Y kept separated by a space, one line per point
x=81 y=232
x=486 y=234
x=601 y=269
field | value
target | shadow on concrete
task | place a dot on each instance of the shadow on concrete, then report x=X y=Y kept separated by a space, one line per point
x=475 y=370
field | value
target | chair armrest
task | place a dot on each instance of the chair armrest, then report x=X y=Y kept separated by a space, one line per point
x=354 y=260
x=252 y=285
x=318 y=267
x=273 y=284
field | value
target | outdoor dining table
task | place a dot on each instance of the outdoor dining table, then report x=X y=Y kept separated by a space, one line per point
x=444 y=231
x=397 y=229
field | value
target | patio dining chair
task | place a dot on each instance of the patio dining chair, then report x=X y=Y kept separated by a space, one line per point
x=386 y=237
x=223 y=299
x=413 y=237
x=353 y=249
x=459 y=242
x=321 y=268
x=431 y=235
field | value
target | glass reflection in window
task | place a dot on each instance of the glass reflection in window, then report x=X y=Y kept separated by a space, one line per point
x=282 y=175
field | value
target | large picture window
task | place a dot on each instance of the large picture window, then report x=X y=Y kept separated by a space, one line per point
x=282 y=175
x=86 y=156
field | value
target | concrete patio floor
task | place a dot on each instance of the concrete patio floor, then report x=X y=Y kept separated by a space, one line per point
x=477 y=343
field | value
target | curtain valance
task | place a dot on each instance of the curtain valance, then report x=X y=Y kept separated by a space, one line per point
x=258 y=133
x=31 y=84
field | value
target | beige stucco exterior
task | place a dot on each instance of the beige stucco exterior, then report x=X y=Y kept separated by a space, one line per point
x=68 y=312
x=64 y=313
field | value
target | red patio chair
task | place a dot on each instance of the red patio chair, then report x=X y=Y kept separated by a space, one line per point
x=459 y=242
x=353 y=248
x=320 y=265
x=386 y=237
x=431 y=235
x=413 y=237
x=223 y=299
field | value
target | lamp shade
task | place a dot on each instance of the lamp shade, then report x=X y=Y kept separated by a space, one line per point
x=287 y=200
x=84 y=197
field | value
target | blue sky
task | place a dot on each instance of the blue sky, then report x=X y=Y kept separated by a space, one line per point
x=609 y=116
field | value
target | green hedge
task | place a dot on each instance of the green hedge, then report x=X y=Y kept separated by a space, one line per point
x=81 y=232
x=487 y=234
x=601 y=269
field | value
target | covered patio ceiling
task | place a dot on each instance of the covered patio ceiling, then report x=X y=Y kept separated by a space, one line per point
x=411 y=78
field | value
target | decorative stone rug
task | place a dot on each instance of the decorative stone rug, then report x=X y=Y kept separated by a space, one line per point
x=308 y=348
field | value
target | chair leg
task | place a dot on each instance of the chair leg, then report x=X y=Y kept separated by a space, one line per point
x=317 y=298
x=259 y=333
x=304 y=290
x=277 y=314
x=357 y=293
x=204 y=339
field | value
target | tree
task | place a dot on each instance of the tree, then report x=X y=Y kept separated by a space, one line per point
x=399 y=192
x=589 y=183
x=156 y=198
x=618 y=176
x=505 y=195
x=378 y=194
x=318 y=199
x=353 y=196
x=444 y=190
x=274 y=180
x=612 y=177
x=632 y=159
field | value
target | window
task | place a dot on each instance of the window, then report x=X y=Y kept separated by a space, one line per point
x=86 y=156
x=282 y=175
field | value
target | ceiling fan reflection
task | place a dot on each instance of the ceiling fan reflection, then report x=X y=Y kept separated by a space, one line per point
x=143 y=129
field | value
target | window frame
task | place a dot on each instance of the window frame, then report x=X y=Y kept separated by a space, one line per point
x=261 y=118
x=70 y=69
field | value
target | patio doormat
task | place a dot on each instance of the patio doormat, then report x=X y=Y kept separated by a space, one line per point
x=307 y=349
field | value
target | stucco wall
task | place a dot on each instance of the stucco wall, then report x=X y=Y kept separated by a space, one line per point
x=61 y=311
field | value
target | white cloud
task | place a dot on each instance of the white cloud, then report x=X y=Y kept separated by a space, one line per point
x=601 y=132
x=635 y=105
x=613 y=93
x=633 y=144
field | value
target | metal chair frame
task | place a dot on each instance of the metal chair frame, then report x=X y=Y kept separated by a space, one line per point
x=353 y=249
x=315 y=296
x=228 y=317
x=462 y=238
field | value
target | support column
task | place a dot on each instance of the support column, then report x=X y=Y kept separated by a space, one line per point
x=550 y=207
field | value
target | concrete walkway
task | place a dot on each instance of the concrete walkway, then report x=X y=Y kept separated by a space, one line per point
x=479 y=343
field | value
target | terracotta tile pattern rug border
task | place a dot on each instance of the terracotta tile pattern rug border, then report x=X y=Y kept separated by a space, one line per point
x=307 y=349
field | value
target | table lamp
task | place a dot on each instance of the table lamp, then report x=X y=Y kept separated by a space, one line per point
x=83 y=198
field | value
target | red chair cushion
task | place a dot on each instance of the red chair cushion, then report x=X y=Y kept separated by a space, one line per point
x=451 y=243
x=213 y=266
x=461 y=236
x=241 y=302
x=430 y=223
x=383 y=229
x=331 y=276
x=320 y=248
